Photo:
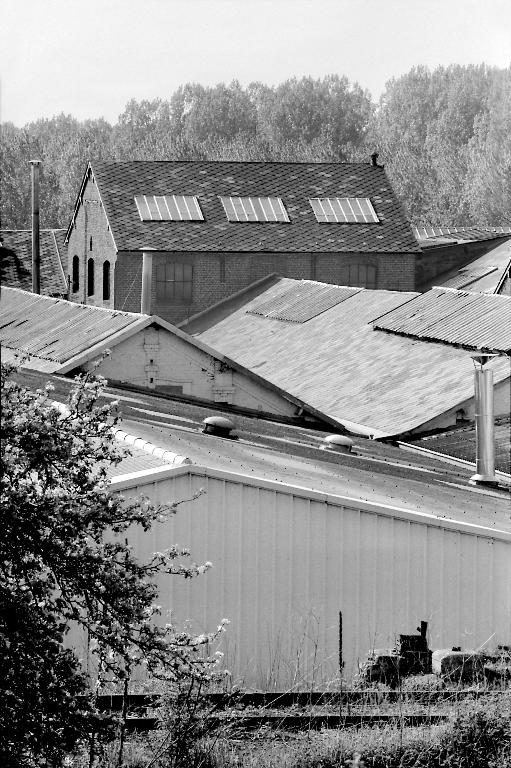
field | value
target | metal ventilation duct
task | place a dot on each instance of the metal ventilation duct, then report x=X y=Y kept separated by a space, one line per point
x=219 y=426
x=485 y=437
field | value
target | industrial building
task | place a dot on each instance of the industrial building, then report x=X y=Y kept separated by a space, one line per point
x=326 y=346
x=320 y=556
x=58 y=336
x=210 y=229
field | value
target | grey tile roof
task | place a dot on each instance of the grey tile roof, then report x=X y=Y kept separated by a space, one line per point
x=295 y=183
x=60 y=240
x=336 y=363
x=17 y=260
x=475 y=321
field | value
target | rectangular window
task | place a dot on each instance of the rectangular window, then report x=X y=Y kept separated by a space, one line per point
x=343 y=210
x=359 y=275
x=168 y=208
x=254 y=209
x=174 y=283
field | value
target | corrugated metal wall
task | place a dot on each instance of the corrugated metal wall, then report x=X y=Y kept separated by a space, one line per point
x=287 y=561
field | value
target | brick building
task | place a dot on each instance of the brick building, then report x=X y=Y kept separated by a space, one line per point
x=213 y=228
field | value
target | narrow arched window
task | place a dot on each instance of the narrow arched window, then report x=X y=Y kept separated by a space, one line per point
x=90 y=277
x=90 y=243
x=75 y=280
x=106 y=281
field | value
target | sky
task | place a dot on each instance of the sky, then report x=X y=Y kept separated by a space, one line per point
x=88 y=58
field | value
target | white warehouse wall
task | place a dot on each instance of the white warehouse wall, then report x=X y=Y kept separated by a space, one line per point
x=155 y=357
x=288 y=560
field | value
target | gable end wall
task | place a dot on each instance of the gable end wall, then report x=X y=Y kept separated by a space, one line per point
x=91 y=221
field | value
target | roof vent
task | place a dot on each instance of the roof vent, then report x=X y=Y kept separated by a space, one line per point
x=338 y=443
x=218 y=426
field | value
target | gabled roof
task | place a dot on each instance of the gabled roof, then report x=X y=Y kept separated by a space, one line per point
x=474 y=321
x=54 y=332
x=373 y=382
x=58 y=336
x=17 y=260
x=295 y=183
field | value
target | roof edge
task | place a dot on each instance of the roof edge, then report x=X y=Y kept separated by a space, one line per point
x=332 y=499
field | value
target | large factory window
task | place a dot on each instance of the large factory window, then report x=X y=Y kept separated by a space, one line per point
x=174 y=283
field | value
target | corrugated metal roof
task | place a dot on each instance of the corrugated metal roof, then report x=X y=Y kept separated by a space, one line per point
x=485 y=274
x=460 y=234
x=54 y=329
x=473 y=321
x=468 y=276
x=295 y=183
x=303 y=300
x=338 y=365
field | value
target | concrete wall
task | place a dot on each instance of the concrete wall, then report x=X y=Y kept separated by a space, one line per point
x=157 y=359
x=286 y=561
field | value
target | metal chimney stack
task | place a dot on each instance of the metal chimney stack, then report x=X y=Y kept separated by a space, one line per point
x=147 y=280
x=36 y=252
x=485 y=431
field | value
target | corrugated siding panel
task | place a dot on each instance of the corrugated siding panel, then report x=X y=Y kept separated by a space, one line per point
x=303 y=301
x=285 y=565
x=474 y=320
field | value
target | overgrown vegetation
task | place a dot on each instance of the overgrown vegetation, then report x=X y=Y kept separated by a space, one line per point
x=66 y=563
x=477 y=737
x=444 y=136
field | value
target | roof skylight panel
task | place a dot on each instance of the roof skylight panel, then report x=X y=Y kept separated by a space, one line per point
x=254 y=209
x=343 y=210
x=168 y=208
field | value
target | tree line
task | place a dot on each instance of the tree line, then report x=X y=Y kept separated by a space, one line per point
x=443 y=135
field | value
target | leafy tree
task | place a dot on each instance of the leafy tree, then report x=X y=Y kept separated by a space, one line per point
x=438 y=133
x=65 y=561
x=423 y=127
x=487 y=188
x=309 y=110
